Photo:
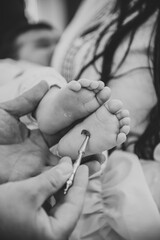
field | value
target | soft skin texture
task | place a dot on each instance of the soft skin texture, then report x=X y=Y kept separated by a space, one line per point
x=22 y=215
x=21 y=203
x=25 y=153
x=133 y=85
x=108 y=127
x=62 y=107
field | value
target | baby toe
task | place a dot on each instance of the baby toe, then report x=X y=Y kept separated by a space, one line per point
x=85 y=82
x=74 y=85
x=94 y=85
x=121 y=138
x=125 y=129
x=114 y=106
x=122 y=114
x=124 y=121
x=104 y=95
x=100 y=85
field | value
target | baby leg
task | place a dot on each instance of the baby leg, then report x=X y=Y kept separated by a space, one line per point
x=62 y=107
x=108 y=127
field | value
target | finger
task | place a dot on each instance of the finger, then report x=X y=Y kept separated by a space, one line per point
x=66 y=214
x=27 y=102
x=93 y=167
x=49 y=182
x=94 y=162
x=97 y=157
x=53 y=160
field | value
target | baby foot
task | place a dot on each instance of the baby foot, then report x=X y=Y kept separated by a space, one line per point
x=75 y=101
x=108 y=127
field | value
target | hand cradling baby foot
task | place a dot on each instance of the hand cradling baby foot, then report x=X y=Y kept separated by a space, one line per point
x=62 y=107
x=108 y=127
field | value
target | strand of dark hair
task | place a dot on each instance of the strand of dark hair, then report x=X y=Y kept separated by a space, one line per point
x=143 y=10
x=151 y=136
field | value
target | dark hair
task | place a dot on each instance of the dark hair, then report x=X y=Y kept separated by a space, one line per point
x=8 y=47
x=143 y=9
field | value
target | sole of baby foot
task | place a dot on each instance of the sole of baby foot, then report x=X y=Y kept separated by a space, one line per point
x=108 y=127
x=73 y=102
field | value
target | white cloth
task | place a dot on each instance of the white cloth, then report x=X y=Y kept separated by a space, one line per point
x=118 y=204
x=17 y=77
x=74 y=51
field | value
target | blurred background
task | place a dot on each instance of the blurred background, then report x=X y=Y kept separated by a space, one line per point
x=57 y=12
x=28 y=26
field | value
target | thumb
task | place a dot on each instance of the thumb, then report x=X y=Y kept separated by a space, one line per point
x=49 y=182
x=27 y=102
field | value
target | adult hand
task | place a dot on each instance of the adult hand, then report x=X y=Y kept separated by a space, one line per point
x=22 y=215
x=23 y=153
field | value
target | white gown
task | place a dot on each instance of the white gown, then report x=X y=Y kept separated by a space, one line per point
x=122 y=201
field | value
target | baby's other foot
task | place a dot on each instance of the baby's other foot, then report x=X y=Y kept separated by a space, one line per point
x=108 y=127
x=75 y=101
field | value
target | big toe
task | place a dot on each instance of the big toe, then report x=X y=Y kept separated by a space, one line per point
x=114 y=105
x=103 y=95
x=74 y=86
x=125 y=129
